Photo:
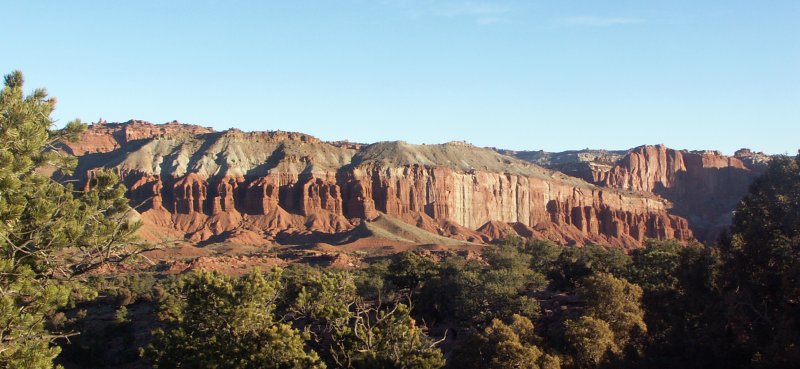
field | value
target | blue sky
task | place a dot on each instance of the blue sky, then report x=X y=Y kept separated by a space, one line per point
x=552 y=75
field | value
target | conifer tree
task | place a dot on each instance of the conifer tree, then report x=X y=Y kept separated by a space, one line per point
x=761 y=270
x=219 y=322
x=49 y=231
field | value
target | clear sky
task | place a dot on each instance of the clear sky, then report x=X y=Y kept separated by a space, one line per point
x=533 y=74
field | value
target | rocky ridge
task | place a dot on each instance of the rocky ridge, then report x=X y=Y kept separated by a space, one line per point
x=703 y=186
x=585 y=164
x=105 y=137
x=285 y=187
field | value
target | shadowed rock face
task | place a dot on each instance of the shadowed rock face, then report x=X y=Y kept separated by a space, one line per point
x=291 y=187
x=703 y=186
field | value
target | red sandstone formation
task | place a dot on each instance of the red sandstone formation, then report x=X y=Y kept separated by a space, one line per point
x=290 y=187
x=104 y=137
x=704 y=186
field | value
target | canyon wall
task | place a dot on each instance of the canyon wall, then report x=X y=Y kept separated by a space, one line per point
x=703 y=186
x=265 y=187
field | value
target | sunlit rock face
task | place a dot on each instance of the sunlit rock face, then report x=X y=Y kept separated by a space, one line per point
x=702 y=186
x=207 y=185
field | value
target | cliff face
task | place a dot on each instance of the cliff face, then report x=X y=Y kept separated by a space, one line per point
x=704 y=186
x=105 y=137
x=290 y=187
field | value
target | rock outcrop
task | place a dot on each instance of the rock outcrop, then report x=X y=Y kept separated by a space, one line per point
x=586 y=164
x=105 y=137
x=703 y=186
x=291 y=187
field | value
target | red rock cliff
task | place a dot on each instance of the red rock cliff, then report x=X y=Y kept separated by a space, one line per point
x=282 y=185
x=104 y=137
x=704 y=186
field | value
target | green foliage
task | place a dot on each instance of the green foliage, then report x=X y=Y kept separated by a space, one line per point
x=617 y=302
x=591 y=339
x=575 y=263
x=474 y=293
x=218 y=322
x=371 y=281
x=355 y=333
x=47 y=229
x=127 y=289
x=245 y=324
x=734 y=306
x=544 y=254
x=517 y=262
x=653 y=266
x=121 y=315
x=682 y=303
x=761 y=268
x=25 y=301
x=502 y=346
x=390 y=340
x=410 y=270
x=326 y=296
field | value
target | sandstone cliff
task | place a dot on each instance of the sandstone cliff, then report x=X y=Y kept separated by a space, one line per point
x=290 y=187
x=703 y=186
x=104 y=137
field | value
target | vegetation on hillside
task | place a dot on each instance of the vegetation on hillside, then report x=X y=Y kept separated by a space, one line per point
x=522 y=304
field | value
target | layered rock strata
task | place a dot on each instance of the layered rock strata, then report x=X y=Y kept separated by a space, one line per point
x=104 y=137
x=703 y=186
x=291 y=187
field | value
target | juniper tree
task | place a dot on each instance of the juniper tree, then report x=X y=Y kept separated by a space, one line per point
x=356 y=333
x=213 y=321
x=501 y=346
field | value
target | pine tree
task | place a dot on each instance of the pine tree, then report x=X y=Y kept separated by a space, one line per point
x=49 y=232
